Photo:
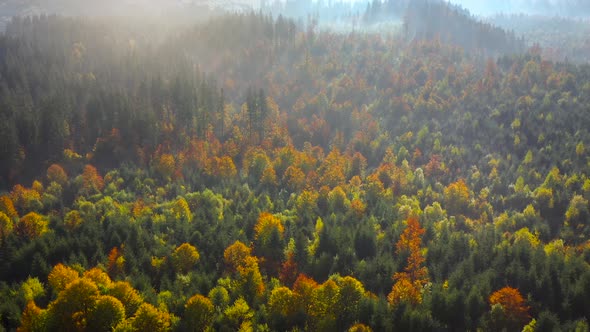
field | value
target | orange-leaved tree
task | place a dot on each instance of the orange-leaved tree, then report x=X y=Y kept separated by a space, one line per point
x=92 y=182
x=55 y=173
x=235 y=254
x=116 y=262
x=409 y=284
x=294 y=178
x=25 y=199
x=303 y=288
x=289 y=271
x=509 y=309
x=7 y=206
x=244 y=268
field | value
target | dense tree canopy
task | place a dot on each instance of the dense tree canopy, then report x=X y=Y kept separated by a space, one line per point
x=254 y=173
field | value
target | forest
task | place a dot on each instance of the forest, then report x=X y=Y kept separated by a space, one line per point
x=253 y=172
x=561 y=38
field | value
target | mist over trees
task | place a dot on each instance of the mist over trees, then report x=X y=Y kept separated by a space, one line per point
x=451 y=24
x=568 y=8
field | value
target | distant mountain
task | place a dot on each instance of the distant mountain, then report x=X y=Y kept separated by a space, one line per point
x=451 y=24
x=454 y=25
x=561 y=38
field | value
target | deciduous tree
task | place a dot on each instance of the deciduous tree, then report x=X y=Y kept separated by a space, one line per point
x=31 y=289
x=6 y=226
x=25 y=199
x=32 y=319
x=7 y=206
x=288 y=272
x=181 y=210
x=61 y=276
x=409 y=284
x=92 y=181
x=238 y=313
x=149 y=318
x=235 y=254
x=69 y=312
x=55 y=173
x=515 y=312
x=32 y=225
x=457 y=197
x=185 y=257
x=116 y=262
x=198 y=313
x=268 y=236
x=165 y=165
x=129 y=296
x=106 y=314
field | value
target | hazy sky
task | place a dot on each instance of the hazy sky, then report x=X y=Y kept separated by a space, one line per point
x=490 y=7
x=477 y=7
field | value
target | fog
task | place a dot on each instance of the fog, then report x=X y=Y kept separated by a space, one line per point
x=175 y=11
x=571 y=8
x=297 y=8
x=111 y=7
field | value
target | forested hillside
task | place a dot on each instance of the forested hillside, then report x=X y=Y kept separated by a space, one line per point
x=451 y=24
x=251 y=173
x=561 y=38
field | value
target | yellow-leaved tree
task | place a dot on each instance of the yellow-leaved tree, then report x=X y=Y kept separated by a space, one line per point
x=457 y=197
x=89 y=302
x=199 y=313
x=185 y=257
x=268 y=240
x=32 y=225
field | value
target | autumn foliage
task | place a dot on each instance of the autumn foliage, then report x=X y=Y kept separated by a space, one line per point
x=6 y=226
x=235 y=254
x=120 y=155
x=200 y=313
x=92 y=181
x=457 y=197
x=7 y=206
x=185 y=257
x=289 y=272
x=245 y=269
x=512 y=305
x=116 y=262
x=55 y=173
x=409 y=284
x=165 y=165
x=61 y=276
x=32 y=225
x=266 y=224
